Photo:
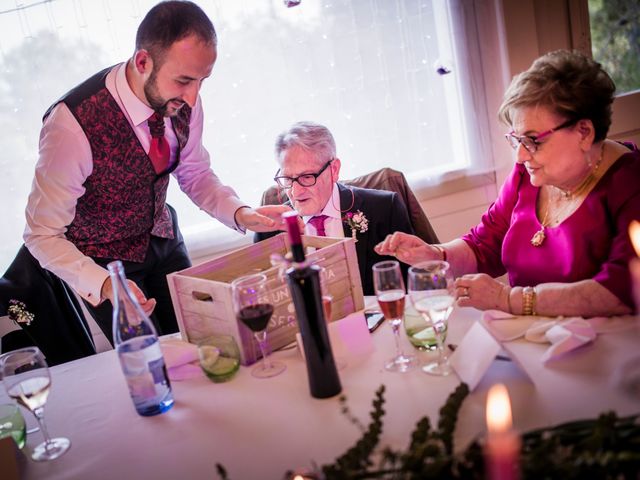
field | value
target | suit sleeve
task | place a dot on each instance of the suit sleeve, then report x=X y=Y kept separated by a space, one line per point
x=399 y=218
x=259 y=236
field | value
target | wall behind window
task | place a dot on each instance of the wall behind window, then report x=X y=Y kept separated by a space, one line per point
x=365 y=68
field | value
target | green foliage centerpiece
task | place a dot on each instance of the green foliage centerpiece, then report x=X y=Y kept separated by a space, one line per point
x=607 y=447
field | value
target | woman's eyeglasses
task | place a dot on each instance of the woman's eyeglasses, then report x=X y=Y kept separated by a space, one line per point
x=530 y=142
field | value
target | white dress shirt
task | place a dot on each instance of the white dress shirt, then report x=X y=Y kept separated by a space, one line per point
x=65 y=162
x=332 y=224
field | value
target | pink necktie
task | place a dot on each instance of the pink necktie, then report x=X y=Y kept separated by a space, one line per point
x=318 y=223
x=159 y=152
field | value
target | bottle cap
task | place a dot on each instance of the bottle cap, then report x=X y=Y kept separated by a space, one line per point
x=291 y=220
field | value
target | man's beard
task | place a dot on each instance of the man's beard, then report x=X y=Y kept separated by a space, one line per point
x=156 y=101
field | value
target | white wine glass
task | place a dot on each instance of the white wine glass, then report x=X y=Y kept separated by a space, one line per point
x=432 y=294
x=27 y=379
x=389 y=288
x=254 y=309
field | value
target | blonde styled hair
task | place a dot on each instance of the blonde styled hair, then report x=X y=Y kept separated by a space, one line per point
x=568 y=83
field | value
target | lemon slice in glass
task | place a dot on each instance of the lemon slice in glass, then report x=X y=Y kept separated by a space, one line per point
x=216 y=366
x=209 y=356
x=225 y=365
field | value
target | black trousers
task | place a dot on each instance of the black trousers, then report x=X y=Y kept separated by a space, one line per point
x=164 y=256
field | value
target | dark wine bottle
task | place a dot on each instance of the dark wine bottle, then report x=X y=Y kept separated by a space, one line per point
x=304 y=283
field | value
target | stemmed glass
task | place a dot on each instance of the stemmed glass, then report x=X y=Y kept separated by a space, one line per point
x=27 y=380
x=327 y=298
x=253 y=308
x=389 y=287
x=431 y=292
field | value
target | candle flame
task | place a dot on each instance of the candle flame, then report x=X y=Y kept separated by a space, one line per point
x=634 y=233
x=498 y=409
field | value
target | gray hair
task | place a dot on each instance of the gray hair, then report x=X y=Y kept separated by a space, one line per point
x=309 y=136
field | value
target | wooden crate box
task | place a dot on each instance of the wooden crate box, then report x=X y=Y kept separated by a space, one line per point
x=202 y=300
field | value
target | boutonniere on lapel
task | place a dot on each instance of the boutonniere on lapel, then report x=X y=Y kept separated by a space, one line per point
x=358 y=222
x=18 y=312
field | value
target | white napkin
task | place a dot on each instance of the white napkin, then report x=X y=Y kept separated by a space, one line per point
x=181 y=359
x=349 y=338
x=564 y=334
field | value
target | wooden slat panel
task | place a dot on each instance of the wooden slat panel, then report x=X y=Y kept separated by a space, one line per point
x=202 y=294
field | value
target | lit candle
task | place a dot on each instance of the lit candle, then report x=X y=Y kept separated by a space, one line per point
x=634 y=266
x=634 y=233
x=303 y=475
x=503 y=444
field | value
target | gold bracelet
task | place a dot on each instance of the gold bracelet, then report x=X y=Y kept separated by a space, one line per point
x=442 y=251
x=534 y=310
x=528 y=301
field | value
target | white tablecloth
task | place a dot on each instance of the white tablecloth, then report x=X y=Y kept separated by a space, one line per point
x=261 y=428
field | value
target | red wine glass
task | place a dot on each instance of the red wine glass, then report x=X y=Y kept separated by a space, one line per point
x=254 y=309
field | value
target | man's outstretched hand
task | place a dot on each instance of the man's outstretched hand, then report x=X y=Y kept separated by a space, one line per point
x=267 y=218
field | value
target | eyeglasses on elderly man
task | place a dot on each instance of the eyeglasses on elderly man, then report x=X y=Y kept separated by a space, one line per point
x=305 y=180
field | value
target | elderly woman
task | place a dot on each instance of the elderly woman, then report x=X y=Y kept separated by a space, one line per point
x=559 y=225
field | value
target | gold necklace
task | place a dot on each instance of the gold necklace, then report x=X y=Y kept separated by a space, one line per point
x=539 y=237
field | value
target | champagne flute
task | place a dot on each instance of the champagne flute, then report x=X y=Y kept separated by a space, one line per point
x=389 y=287
x=327 y=298
x=432 y=295
x=27 y=380
x=253 y=309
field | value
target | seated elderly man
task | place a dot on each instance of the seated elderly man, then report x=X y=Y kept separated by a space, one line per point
x=309 y=171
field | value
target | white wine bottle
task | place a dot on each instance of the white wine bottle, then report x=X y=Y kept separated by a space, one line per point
x=136 y=342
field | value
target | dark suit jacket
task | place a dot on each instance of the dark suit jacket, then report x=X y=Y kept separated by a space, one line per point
x=386 y=214
x=59 y=327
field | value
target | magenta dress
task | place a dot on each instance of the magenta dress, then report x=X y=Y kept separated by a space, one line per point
x=592 y=243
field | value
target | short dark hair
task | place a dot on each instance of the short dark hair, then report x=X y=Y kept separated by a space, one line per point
x=169 y=22
x=570 y=84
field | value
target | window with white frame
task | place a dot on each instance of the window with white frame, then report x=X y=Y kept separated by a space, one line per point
x=386 y=76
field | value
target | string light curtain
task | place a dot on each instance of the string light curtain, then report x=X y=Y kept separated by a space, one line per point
x=383 y=75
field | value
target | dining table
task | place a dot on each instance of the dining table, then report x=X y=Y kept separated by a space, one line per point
x=261 y=428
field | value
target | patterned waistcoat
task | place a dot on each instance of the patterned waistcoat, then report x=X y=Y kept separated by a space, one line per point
x=124 y=199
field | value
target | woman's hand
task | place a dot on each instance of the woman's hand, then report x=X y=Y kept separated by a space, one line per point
x=480 y=291
x=406 y=248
